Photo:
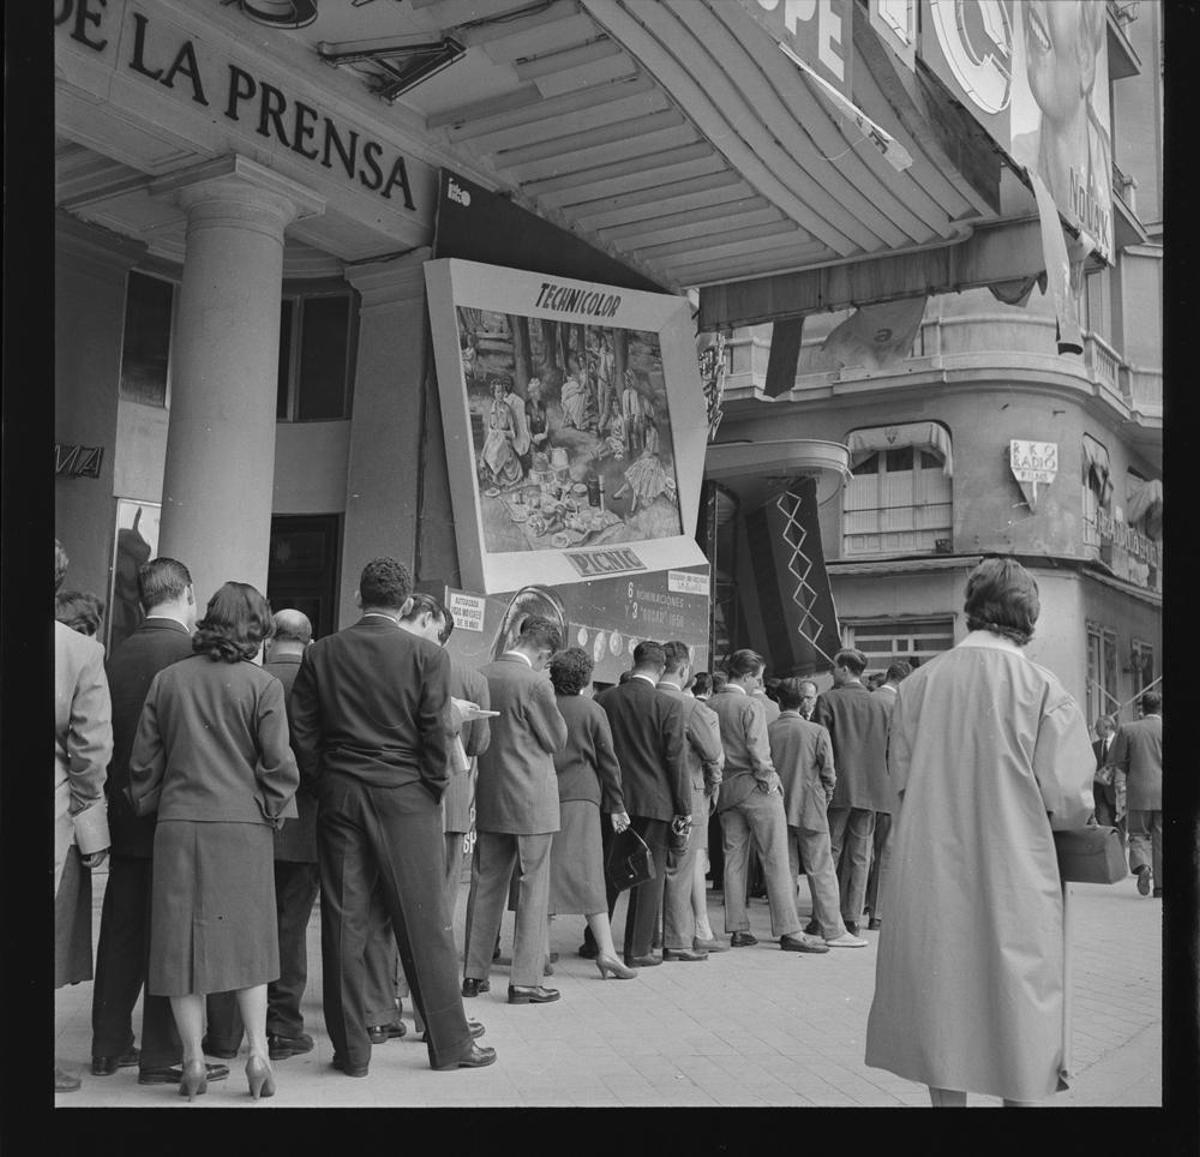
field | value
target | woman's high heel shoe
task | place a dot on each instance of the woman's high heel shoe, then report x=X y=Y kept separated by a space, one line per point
x=194 y=1081
x=260 y=1078
x=608 y=964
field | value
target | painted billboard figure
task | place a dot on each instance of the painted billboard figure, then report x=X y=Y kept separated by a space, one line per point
x=574 y=396
x=506 y=435
x=646 y=480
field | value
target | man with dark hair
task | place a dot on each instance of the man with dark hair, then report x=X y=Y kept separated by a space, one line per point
x=517 y=815
x=648 y=737
x=1105 y=781
x=703 y=756
x=751 y=808
x=803 y=757
x=857 y=722
x=881 y=854
x=369 y=728
x=1138 y=753
x=163 y=637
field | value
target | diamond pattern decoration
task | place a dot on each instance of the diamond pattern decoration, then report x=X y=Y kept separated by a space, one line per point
x=800 y=566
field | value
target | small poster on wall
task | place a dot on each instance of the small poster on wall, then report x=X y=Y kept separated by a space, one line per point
x=575 y=424
x=136 y=542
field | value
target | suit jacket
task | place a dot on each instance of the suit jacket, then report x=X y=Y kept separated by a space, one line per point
x=213 y=739
x=296 y=841
x=702 y=752
x=857 y=722
x=517 y=789
x=371 y=701
x=648 y=737
x=803 y=757
x=1138 y=752
x=466 y=683
x=743 y=722
x=157 y=643
x=587 y=766
x=82 y=745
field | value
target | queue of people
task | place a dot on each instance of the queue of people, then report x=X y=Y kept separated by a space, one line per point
x=368 y=765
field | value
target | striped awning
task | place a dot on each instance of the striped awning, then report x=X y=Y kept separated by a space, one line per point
x=920 y=435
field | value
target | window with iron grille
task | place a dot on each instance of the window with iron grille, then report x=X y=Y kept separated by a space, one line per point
x=883 y=641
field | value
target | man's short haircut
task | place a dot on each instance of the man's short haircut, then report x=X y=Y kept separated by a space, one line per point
x=1002 y=597
x=541 y=633
x=898 y=671
x=788 y=693
x=61 y=562
x=810 y=683
x=702 y=683
x=1151 y=703
x=676 y=655
x=424 y=604
x=852 y=659
x=571 y=671
x=161 y=580
x=237 y=621
x=82 y=611
x=719 y=681
x=385 y=582
x=648 y=653
x=447 y=625
x=742 y=663
x=292 y=626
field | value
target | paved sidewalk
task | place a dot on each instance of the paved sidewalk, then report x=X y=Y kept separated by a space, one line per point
x=749 y=1027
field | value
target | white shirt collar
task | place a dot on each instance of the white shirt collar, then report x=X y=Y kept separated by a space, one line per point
x=520 y=655
x=644 y=678
x=381 y=615
x=731 y=686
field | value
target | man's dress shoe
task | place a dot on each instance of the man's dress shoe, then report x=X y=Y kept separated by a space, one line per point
x=473 y=1026
x=531 y=994
x=174 y=1074
x=65 y=1082
x=642 y=961
x=588 y=951
x=812 y=928
x=475 y=1058
x=349 y=1070
x=1156 y=894
x=382 y=1033
x=211 y=1050
x=683 y=954
x=106 y=1066
x=713 y=945
x=874 y=924
x=279 y=1048
x=802 y=943
x=743 y=940
x=473 y=987
x=852 y=926
x=1143 y=880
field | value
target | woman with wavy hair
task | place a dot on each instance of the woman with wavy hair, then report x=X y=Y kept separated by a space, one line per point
x=212 y=758
x=990 y=756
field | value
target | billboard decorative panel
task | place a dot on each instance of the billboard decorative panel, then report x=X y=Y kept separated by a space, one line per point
x=575 y=425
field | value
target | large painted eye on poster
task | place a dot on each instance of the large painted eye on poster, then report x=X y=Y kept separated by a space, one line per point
x=575 y=425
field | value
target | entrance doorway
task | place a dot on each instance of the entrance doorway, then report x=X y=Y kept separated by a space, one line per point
x=303 y=572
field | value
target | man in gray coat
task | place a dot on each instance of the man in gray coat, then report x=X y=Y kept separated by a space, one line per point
x=1138 y=752
x=517 y=814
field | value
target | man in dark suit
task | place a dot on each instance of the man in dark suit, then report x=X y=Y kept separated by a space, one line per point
x=517 y=814
x=122 y=954
x=1138 y=753
x=296 y=884
x=703 y=756
x=648 y=737
x=1104 y=785
x=857 y=722
x=369 y=728
x=881 y=843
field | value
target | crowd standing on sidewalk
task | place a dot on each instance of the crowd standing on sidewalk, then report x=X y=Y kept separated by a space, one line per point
x=368 y=765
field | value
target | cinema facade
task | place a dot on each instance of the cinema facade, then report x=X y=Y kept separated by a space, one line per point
x=308 y=263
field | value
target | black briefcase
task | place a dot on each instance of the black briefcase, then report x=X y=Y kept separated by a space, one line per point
x=629 y=861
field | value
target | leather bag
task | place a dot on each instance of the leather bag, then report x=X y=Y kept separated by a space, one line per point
x=629 y=861
x=1092 y=855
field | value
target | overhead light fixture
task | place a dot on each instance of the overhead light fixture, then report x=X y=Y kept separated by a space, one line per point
x=278 y=13
x=394 y=67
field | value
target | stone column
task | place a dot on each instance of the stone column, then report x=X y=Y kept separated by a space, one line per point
x=220 y=460
x=382 y=484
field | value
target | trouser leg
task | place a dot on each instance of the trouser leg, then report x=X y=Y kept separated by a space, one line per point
x=296 y=887
x=679 y=917
x=491 y=869
x=735 y=829
x=769 y=827
x=1156 y=847
x=120 y=956
x=348 y=874
x=859 y=832
x=822 y=882
x=380 y=963
x=645 y=900
x=1140 y=840
x=1106 y=810
x=223 y=1027
x=454 y=866
x=531 y=931
x=881 y=860
x=404 y=826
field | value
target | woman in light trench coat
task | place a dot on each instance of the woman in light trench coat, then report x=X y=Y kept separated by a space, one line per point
x=990 y=756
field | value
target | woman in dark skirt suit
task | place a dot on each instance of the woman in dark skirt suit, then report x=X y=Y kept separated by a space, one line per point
x=587 y=772
x=212 y=758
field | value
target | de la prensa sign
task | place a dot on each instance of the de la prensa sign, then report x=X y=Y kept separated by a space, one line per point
x=158 y=53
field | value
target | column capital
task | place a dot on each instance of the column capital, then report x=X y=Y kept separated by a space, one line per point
x=235 y=180
x=390 y=280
